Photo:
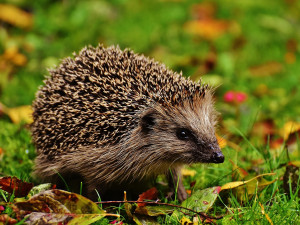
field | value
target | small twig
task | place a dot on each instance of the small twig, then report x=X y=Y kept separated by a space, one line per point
x=160 y=203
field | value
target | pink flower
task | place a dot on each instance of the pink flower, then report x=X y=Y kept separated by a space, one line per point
x=235 y=97
x=241 y=97
x=229 y=96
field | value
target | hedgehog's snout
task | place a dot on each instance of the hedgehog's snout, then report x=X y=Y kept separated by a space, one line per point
x=217 y=156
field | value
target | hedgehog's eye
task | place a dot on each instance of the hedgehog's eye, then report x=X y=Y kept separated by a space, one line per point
x=183 y=134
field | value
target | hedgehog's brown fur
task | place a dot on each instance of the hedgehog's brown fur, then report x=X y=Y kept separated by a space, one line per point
x=112 y=117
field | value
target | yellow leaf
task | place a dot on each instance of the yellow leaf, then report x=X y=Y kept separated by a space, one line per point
x=289 y=128
x=221 y=141
x=21 y=113
x=15 y=16
x=295 y=163
x=187 y=172
x=235 y=184
x=12 y=54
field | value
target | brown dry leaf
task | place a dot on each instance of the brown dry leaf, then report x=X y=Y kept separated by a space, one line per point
x=266 y=69
x=15 y=16
x=7 y=220
x=15 y=185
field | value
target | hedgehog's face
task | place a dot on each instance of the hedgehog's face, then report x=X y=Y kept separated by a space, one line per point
x=183 y=134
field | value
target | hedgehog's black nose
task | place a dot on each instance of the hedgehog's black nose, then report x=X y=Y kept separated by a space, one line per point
x=217 y=157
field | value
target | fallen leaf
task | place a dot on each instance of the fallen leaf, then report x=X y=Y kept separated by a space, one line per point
x=188 y=172
x=56 y=218
x=15 y=185
x=267 y=69
x=150 y=194
x=12 y=54
x=244 y=190
x=15 y=16
x=289 y=128
x=40 y=188
x=205 y=24
x=143 y=220
x=57 y=206
x=199 y=201
x=18 y=114
x=294 y=163
x=202 y=200
x=235 y=184
x=151 y=210
x=7 y=220
x=208 y=29
x=221 y=141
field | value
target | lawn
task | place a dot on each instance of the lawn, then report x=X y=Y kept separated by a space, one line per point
x=248 y=50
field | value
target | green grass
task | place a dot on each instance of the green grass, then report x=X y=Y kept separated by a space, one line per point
x=262 y=32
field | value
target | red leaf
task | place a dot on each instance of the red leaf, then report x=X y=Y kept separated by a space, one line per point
x=150 y=194
x=13 y=184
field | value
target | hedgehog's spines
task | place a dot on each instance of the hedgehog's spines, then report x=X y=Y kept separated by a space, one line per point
x=102 y=90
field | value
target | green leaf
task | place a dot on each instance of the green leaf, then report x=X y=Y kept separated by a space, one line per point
x=202 y=200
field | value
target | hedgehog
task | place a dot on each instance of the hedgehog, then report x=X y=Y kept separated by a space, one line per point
x=115 y=120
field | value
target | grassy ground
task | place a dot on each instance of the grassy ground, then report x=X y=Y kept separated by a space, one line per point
x=251 y=47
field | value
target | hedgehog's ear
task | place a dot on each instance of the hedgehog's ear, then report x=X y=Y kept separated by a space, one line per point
x=147 y=122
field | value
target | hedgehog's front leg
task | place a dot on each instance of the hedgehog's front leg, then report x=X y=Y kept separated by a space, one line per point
x=175 y=183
